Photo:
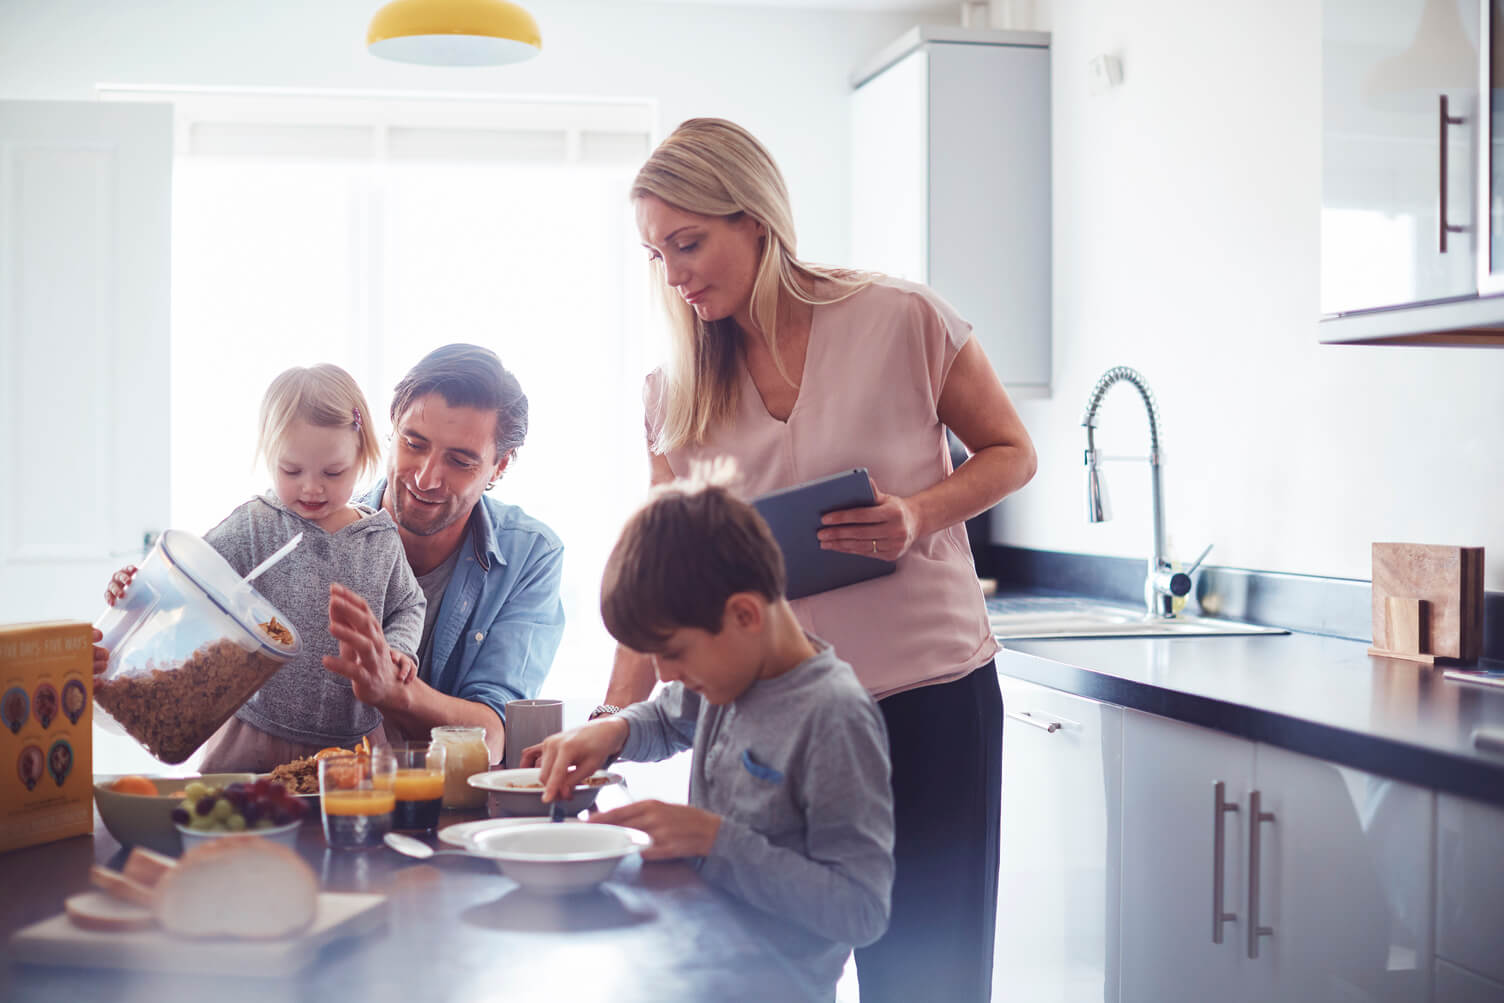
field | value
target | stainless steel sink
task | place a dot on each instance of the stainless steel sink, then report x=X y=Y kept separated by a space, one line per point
x=1042 y=617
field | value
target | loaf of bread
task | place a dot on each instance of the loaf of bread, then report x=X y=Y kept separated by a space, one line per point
x=238 y=886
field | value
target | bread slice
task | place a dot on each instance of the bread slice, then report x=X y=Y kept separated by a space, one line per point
x=147 y=866
x=121 y=887
x=95 y=910
x=238 y=886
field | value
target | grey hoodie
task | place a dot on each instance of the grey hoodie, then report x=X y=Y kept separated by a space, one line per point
x=305 y=702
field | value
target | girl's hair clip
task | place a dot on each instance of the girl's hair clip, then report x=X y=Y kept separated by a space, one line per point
x=356 y=412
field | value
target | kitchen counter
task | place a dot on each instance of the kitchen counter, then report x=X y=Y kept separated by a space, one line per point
x=1319 y=696
x=456 y=930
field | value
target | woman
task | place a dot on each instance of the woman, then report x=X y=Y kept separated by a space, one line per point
x=797 y=371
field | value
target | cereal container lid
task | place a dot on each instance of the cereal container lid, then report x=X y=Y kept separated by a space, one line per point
x=203 y=565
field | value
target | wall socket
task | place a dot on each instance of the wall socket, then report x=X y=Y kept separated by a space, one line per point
x=1104 y=72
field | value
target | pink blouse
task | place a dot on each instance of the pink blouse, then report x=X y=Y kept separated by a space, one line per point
x=873 y=372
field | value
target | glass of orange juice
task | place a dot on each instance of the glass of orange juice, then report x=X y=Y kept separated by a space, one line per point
x=418 y=785
x=358 y=797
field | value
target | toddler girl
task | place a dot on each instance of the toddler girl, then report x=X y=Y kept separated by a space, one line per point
x=318 y=444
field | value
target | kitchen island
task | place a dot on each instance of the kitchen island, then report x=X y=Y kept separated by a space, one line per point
x=456 y=930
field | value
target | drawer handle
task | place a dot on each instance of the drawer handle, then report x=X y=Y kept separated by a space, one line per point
x=1256 y=818
x=1034 y=720
x=1220 y=806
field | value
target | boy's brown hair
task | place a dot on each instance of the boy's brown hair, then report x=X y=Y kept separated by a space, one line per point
x=679 y=558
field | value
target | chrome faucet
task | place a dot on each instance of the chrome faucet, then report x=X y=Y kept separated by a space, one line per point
x=1162 y=586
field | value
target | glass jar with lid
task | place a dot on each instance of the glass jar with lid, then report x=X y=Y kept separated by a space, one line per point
x=466 y=755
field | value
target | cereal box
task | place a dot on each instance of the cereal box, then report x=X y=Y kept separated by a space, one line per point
x=46 y=732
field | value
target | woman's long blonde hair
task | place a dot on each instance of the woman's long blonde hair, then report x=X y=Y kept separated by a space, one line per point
x=712 y=167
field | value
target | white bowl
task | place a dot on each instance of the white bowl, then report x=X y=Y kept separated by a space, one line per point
x=287 y=834
x=508 y=793
x=557 y=859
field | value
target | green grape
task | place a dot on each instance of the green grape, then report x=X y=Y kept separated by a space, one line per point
x=202 y=823
x=195 y=790
x=235 y=823
x=222 y=810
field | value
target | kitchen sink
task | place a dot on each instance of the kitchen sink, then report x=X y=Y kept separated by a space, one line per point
x=1044 y=617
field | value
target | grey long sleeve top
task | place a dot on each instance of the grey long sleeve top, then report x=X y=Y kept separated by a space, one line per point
x=305 y=702
x=797 y=768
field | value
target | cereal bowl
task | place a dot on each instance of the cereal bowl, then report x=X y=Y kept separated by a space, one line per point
x=520 y=792
x=558 y=859
x=146 y=819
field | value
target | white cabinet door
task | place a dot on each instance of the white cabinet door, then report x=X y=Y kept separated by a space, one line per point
x=890 y=147
x=1058 y=876
x=1470 y=885
x=85 y=222
x=1343 y=883
x=1173 y=879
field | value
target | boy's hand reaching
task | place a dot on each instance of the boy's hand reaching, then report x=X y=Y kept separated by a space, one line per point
x=579 y=752
x=677 y=830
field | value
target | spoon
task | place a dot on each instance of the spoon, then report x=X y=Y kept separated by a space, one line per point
x=411 y=847
x=282 y=552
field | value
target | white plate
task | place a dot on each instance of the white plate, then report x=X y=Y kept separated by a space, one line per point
x=459 y=833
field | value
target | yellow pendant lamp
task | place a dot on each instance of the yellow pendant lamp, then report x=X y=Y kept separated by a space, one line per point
x=453 y=32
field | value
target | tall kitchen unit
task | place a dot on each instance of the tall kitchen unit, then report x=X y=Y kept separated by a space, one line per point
x=951 y=183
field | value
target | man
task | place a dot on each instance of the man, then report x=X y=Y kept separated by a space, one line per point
x=489 y=571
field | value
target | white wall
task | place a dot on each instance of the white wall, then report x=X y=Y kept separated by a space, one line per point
x=780 y=72
x=1186 y=245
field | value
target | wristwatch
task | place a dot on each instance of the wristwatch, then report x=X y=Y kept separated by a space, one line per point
x=604 y=710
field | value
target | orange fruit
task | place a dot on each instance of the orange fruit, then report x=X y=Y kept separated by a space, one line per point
x=134 y=785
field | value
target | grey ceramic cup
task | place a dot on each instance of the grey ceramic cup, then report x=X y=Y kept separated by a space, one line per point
x=528 y=723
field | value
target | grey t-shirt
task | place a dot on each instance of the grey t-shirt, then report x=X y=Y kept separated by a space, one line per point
x=433 y=585
x=305 y=702
x=797 y=768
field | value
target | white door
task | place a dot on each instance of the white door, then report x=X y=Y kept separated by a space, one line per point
x=1172 y=879
x=1057 y=921
x=85 y=224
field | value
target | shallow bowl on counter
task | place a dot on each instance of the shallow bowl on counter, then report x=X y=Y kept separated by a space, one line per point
x=146 y=819
x=519 y=792
x=558 y=859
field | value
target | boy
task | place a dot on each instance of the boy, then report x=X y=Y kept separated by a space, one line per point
x=790 y=807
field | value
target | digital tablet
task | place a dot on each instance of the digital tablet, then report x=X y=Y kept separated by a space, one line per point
x=794 y=516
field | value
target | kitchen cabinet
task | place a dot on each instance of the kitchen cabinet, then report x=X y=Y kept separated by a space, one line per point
x=1331 y=865
x=950 y=132
x=1470 y=887
x=1057 y=919
x=1412 y=227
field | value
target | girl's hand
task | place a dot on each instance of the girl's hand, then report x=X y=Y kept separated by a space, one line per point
x=101 y=656
x=677 y=830
x=577 y=752
x=119 y=582
x=886 y=530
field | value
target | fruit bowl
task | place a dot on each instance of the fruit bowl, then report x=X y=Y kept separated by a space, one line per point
x=146 y=819
x=558 y=859
x=287 y=834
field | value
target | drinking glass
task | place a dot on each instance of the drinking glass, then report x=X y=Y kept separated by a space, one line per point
x=358 y=795
x=418 y=785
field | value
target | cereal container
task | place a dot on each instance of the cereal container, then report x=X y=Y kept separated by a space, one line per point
x=47 y=785
x=189 y=643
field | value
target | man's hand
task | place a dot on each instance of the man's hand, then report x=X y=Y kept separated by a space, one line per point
x=578 y=752
x=101 y=656
x=364 y=657
x=677 y=830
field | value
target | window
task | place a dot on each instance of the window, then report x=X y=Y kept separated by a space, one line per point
x=365 y=231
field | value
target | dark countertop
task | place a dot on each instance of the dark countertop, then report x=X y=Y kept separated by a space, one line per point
x=456 y=930
x=1320 y=696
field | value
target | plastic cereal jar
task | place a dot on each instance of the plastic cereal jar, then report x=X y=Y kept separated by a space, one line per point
x=466 y=755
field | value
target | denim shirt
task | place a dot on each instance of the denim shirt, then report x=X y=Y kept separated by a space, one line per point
x=501 y=618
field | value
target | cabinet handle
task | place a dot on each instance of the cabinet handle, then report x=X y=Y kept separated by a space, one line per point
x=1444 y=227
x=1029 y=718
x=1219 y=842
x=1256 y=818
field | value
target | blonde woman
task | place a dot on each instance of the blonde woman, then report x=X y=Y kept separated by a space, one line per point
x=318 y=444
x=797 y=371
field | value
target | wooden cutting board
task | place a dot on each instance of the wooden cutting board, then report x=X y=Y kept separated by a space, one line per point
x=1448 y=580
x=57 y=941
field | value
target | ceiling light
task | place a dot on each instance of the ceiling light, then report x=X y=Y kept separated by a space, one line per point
x=453 y=32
